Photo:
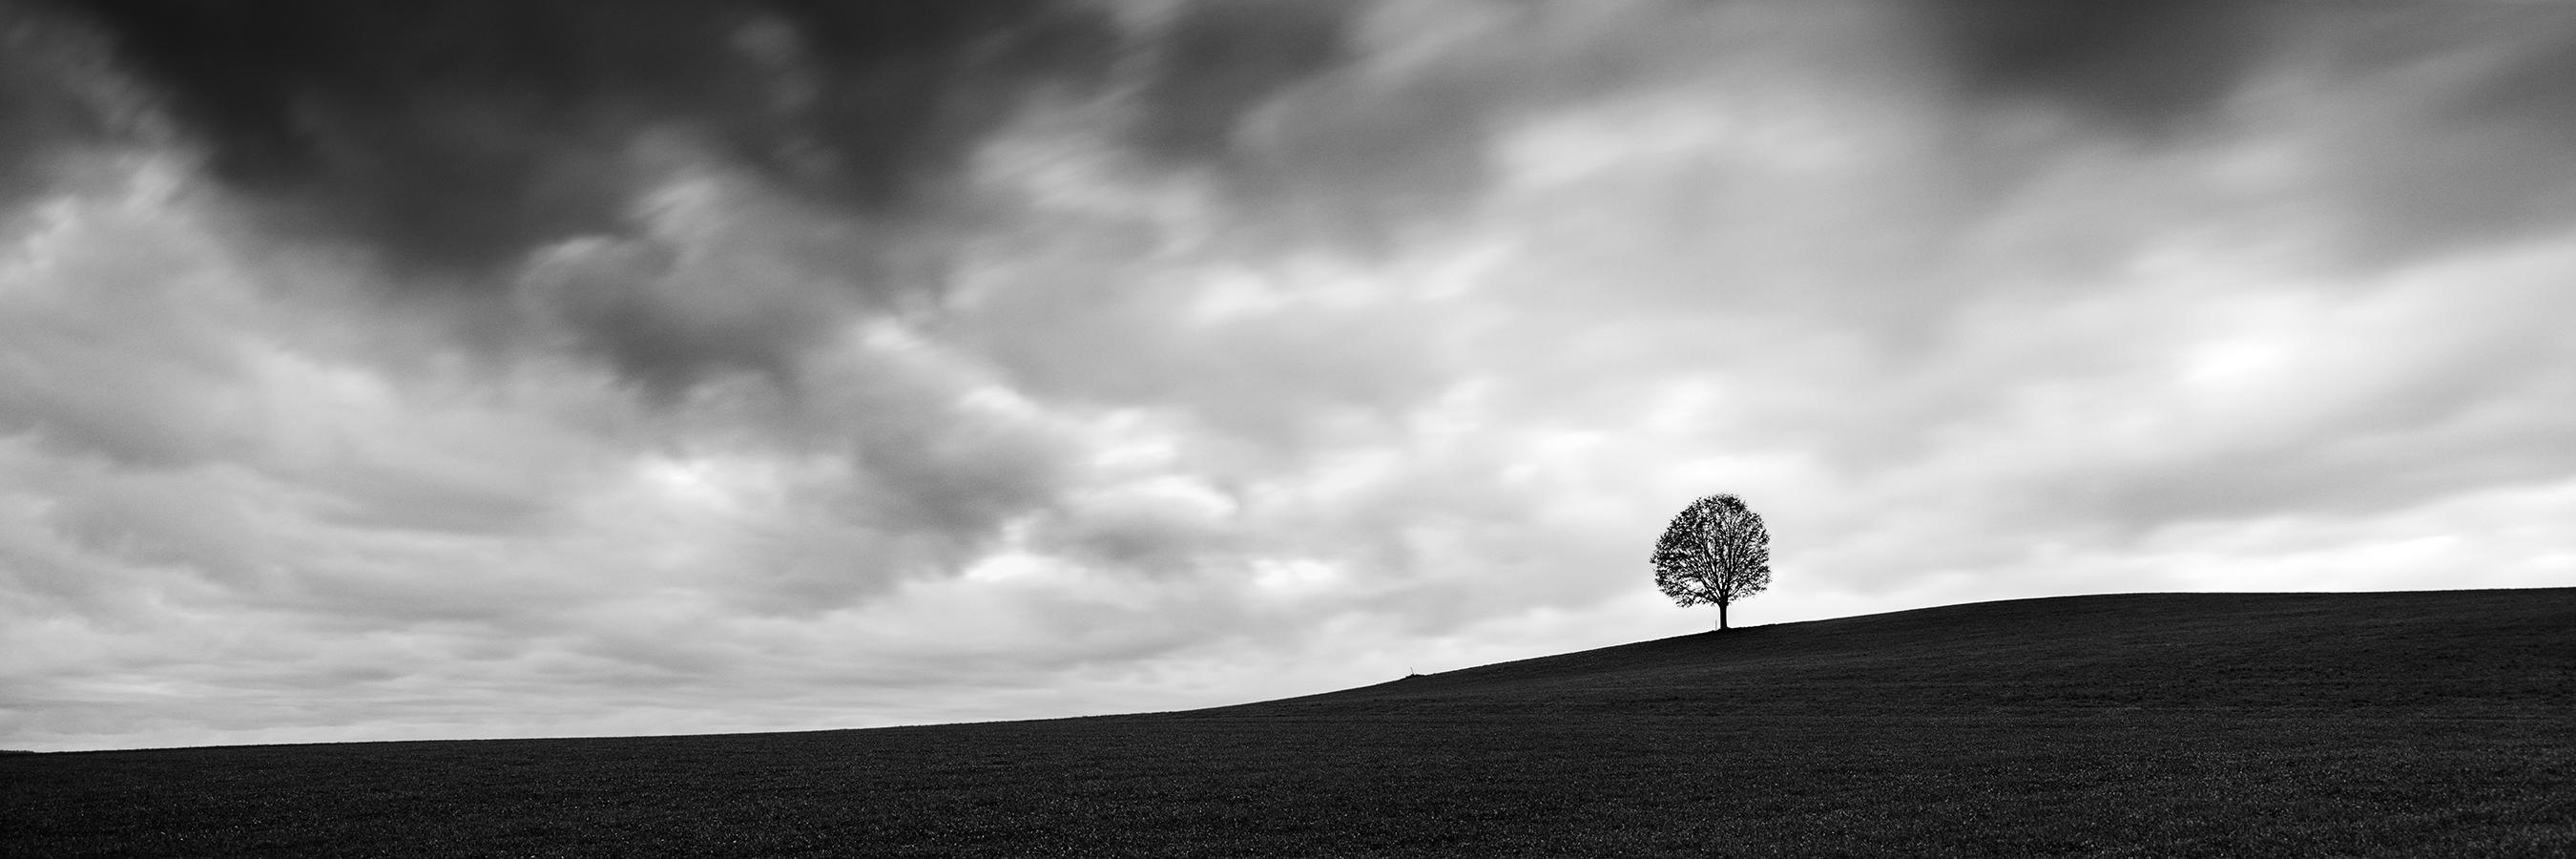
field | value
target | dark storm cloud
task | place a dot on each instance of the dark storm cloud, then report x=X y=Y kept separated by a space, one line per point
x=2531 y=88
x=1222 y=58
x=2491 y=122
x=2459 y=117
x=456 y=136
x=950 y=471
x=49 y=98
x=1355 y=126
x=633 y=304
x=2144 y=66
x=521 y=150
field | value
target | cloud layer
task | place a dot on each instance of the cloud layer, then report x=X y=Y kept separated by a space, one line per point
x=481 y=369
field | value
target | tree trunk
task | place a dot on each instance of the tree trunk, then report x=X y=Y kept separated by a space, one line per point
x=1721 y=615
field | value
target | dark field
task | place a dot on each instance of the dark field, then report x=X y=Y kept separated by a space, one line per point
x=2439 y=723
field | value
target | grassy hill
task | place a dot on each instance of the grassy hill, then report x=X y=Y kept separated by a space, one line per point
x=2433 y=723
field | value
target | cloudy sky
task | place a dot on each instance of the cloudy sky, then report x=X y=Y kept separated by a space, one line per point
x=447 y=370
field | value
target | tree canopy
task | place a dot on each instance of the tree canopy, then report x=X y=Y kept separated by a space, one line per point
x=1715 y=552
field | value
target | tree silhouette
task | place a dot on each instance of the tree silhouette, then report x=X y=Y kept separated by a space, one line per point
x=1716 y=551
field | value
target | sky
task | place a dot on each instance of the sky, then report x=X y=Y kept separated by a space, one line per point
x=551 y=368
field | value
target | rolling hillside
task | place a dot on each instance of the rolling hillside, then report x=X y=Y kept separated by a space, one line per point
x=2467 y=653
x=2154 y=724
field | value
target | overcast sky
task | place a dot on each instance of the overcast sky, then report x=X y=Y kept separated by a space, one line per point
x=445 y=370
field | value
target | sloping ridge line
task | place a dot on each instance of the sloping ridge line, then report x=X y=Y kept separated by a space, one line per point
x=2180 y=643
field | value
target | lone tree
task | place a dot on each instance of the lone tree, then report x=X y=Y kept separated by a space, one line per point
x=1716 y=551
